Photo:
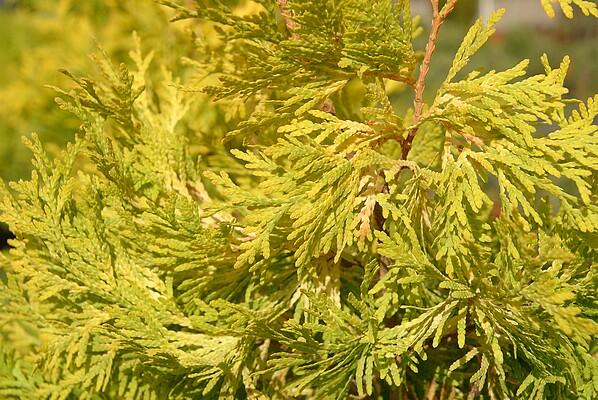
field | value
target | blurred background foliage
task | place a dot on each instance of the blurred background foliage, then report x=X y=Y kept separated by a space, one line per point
x=40 y=37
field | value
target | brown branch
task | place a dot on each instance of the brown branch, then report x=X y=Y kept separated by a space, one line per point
x=286 y=16
x=393 y=76
x=431 y=394
x=420 y=84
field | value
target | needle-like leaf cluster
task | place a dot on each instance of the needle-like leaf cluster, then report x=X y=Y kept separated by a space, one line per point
x=282 y=247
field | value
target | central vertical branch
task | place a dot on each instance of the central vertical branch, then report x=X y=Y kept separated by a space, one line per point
x=438 y=18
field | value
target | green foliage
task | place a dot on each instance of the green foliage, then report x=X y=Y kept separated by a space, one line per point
x=275 y=244
x=586 y=7
x=39 y=37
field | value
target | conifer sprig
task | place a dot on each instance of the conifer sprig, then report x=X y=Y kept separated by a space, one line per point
x=291 y=233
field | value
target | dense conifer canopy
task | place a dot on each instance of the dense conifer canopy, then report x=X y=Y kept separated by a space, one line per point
x=262 y=223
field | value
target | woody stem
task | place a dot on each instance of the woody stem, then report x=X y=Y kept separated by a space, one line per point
x=420 y=85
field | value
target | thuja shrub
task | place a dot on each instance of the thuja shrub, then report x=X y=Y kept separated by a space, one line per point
x=300 y=237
